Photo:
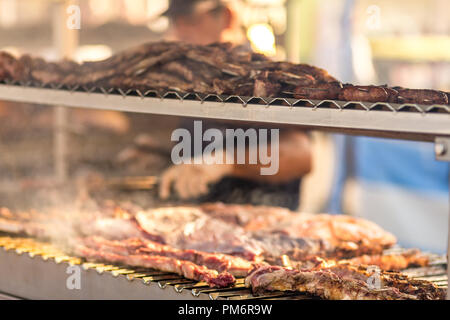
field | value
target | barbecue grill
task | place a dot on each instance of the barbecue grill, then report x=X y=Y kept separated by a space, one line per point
x=37 y=270
x=382 y=119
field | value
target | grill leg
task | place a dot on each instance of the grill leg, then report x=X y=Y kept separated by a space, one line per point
x=65 y=40
x=442 y=151
x=448 y=244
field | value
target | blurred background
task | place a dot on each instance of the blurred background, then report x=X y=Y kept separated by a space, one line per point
x=375 y=41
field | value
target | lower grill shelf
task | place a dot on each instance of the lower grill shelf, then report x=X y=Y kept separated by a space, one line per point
x=34 y=270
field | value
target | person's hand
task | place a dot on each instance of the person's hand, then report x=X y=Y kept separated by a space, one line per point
x=191 y=180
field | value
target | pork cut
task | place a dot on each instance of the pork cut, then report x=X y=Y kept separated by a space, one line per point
x=342 y=282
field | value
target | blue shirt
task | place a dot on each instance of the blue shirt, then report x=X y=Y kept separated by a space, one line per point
x=399 y=185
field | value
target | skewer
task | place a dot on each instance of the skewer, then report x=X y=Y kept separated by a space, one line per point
x=132 y=183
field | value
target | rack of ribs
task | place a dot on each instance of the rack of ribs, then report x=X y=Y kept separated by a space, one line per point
x=343 y=282
x=187 y=269
x=250 y=232
x=215 y=261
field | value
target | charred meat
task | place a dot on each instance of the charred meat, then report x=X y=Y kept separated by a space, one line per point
x=219 y=68
x=343 y=282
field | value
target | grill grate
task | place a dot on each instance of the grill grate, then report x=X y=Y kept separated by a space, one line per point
x=286 y=99
x=164 y=281
x=399 y=121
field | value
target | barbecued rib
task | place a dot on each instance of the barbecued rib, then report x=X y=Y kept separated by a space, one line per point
x=421 y=289
x=220 y=262
x=11 y=226
x=386 y=262
x=251 y=218
x=342 y=236
x=183 y=268
x=393 y=261
x=218 y=59
x=365 y=93
x=10 y=67
x=320 y=91
x=264 y=86
x=342 y=283
x=250 y=232
x=348 y=236
x=421 y=96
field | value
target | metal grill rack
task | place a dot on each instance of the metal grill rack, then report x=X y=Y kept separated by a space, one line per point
x=403 y=121
x=45 y=269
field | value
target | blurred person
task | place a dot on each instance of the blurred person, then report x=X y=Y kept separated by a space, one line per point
x=205 y=22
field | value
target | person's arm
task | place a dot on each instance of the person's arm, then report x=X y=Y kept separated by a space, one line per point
x=192 y=180
x=294 y=160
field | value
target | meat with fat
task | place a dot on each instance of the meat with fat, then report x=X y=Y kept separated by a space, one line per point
x=186 y=269
x=219 y=68
x=342 y=282
x=215 y=261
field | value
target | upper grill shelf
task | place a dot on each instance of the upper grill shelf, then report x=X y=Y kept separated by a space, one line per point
x=401 y=121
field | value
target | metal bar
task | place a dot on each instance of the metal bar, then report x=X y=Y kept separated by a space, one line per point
x=442 y=148
x=442 y=152
x=7 y=297
x=401 y=125
x=293 y=30
x=60 y=143
x=65 y=40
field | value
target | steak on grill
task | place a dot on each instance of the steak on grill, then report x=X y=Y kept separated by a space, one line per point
x=342 y=236
x=343 y=282
x=184 y=268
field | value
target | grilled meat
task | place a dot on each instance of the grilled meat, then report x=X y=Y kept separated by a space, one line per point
x=342 y=236
x=342 y=282
x=219 y=262
x=215 y=242
x=347 y=236
x=10 y=67
x=190 y=228
x=184 y=268
x=251 y=218
x=365 y=93
x=421 y=96
x=218 y=68
x=264 y=86
x=251 y=232
x=11 y=226
x=393 y=261
x=386 y=262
